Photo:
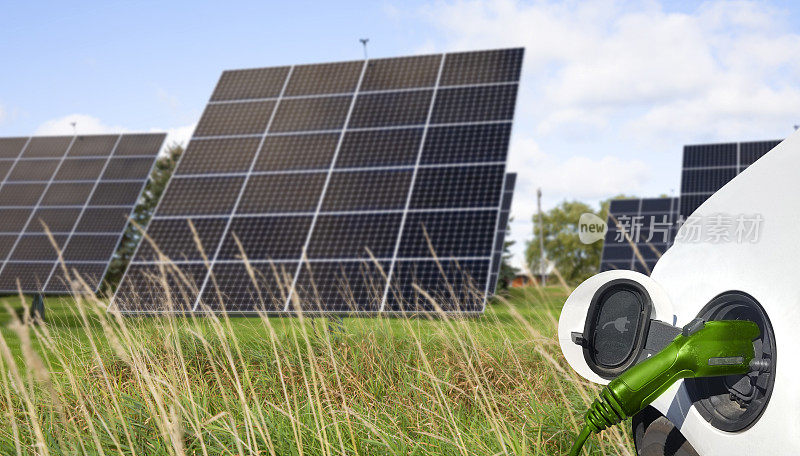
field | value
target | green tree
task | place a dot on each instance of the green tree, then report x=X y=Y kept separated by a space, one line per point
x=165 y=165
x=575 y=260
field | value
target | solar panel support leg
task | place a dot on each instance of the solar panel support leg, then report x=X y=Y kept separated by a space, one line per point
x=37 y=308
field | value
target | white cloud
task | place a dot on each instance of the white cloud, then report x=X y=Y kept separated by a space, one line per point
x=572 y=120
x=8 y=114
x=735 y=111
x=167 y=99
x=586 y=59
x=576 y=177
x=609 y=80
x=178 y=135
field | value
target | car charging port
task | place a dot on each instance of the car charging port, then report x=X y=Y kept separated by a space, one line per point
x=735 y=402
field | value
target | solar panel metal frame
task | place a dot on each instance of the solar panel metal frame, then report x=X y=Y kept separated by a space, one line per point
x=632 y=262
x=213 y=260
x=49 y=285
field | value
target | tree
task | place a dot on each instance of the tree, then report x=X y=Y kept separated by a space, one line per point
x=159 y=178
x=575 y=260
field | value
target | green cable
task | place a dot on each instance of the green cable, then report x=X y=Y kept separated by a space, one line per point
x=582 y=437
x=710 y=349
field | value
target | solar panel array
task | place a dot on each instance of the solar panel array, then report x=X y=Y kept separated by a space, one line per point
x=339 y=187
x=708 y=167
x=70 y=196
x=502 y=230
x=650 y=225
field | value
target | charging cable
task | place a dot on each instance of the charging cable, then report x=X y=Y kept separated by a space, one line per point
x=703 y=349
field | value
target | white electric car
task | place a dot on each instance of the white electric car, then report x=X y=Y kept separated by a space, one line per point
x=617 y=318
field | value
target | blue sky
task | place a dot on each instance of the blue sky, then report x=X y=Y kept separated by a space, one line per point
x=610 y=93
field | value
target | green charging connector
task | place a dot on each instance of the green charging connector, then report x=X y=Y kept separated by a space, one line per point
x=703 y=349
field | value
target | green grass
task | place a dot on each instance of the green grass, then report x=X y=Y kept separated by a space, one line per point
x=87 y=382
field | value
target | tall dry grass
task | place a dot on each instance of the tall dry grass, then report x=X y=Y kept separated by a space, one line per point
x=94 y=382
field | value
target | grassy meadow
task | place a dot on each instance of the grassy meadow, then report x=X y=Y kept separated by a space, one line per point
x=89 y=382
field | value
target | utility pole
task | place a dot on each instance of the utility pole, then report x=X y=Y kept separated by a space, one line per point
x=542 y=258
x=364 y=42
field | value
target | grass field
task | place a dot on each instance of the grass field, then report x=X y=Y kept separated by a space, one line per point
x=88 y=382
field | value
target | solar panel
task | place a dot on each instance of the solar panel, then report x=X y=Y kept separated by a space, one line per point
x=67 y=196
x=708 y=167
x=650 y=225
x=364 y=186
x=502 y=230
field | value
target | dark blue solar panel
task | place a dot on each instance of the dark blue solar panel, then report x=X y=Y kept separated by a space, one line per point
x=79 y=189
x=708 y=167
x=334 y=187
x=624 y=206
x=650 y=225
x=706 y=155
x=752 y=151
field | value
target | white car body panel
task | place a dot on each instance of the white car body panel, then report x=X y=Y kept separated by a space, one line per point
x=690 y=274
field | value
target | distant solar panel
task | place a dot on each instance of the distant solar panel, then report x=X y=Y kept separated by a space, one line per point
x=650 y=226
x=708 y=167
x=502 y=230
x=361 y=186
x=67 y=196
